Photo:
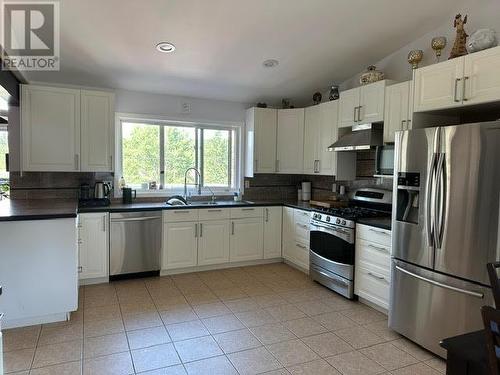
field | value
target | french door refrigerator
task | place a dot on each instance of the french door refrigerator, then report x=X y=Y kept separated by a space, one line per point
x=445 y=229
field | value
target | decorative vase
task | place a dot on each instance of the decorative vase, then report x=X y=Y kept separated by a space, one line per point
x=438 y=43
x=371 y=75
x=334 y=92
x=317 y=97
x=414 y=57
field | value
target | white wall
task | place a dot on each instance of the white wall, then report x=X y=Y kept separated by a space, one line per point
x=171 y=106
x=481 y=14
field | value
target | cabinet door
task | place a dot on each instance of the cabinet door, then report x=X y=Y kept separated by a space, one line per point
x=265 y=140
x=482 y=78
x=246 y=241
x=371 y=102
x=439 y=86
x=396 y=109
x=97 y=109
x=290 y=140
x=272 y=232
x=93 y=246
x=180 y=245
x=328 y=122
x=213 y=244
x=50 y=129
x=311 y=139
x=288 y=229
x=348 y=102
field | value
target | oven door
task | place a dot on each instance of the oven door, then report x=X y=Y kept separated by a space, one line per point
x=332 y=249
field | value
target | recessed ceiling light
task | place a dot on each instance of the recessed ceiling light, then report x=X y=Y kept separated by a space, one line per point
x=271 y=63
x=165 y=47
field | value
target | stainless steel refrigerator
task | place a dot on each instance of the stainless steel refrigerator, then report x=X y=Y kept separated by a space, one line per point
x=445 y=229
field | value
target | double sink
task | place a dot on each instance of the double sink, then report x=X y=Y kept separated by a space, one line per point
x=179 y=201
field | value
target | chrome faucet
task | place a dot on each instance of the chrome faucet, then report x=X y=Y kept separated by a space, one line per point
x=198 y=177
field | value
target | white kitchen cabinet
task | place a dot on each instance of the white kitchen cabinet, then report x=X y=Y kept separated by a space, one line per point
x=246 y=241
x=273 y=219
x=180 y=245
x=93 y=245
x=398 y=114
x=261 y=129
x=319 y=133
x=50 y=128
x=439 y=86
x=363 y=104
x=373 y=265
x=97 y=119
x=481 y=77
x=296 y=237
x=213 y=242
x=290 y=141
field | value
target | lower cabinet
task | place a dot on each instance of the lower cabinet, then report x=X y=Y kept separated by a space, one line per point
x=180 y=245
x=246 y=240
x=213 y=242
x=372 y=265
x=93 y=245
x=273 y=219
x=296 y=237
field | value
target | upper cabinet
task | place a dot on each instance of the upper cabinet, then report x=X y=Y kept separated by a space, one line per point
x=66 y=130
x=97 y=117
x=320 y=132
x=398 y=113
x=467 y=80
x=50 y=129
x=290 y=144
x=362 y=104
x=261 y=128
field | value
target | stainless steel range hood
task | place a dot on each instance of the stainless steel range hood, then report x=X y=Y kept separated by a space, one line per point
x=361 y=137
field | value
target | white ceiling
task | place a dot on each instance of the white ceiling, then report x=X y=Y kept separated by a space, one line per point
x=221 y=44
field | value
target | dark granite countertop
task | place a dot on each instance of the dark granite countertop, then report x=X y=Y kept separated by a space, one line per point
x=37 y=209
x=379 y=222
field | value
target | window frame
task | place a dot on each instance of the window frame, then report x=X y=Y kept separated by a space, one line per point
x=162 y=121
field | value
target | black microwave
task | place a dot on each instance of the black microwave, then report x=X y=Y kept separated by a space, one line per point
x=384 y=160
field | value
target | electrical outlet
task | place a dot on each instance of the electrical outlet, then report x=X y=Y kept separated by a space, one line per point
x=247 y=184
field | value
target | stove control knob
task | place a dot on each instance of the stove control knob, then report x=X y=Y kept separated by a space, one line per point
x=338 y=221
x=343 y=222
x=328 y=218
x=318 y=216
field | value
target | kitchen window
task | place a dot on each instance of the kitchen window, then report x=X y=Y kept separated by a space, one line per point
x=156 y=154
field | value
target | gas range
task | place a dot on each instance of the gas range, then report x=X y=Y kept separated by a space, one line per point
x=345 y=217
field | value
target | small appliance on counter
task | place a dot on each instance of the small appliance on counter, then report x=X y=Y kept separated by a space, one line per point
x=100 y=197
x=306 y=191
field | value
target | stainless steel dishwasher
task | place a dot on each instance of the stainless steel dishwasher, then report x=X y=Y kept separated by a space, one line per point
x=135 y=242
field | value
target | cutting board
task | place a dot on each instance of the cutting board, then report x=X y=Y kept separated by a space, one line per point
x=328 y=203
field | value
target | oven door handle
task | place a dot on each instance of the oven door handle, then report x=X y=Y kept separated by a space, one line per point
x=328 y=229
x=327 y=260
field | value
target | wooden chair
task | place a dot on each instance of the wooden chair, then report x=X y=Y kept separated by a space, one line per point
x=494 y=281
x=491 y=319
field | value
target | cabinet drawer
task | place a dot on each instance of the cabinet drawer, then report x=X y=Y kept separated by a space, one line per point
x=301 y=216
x=179 y=215
x=297 y=252
x=373 y=253
x=369 y=233
x=243 y=212
x=372 y=285
x=213 y=214
x=302 y=232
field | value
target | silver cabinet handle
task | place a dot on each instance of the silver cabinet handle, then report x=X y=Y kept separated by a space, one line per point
x=379 y=248
x=464 y=85
x=214 y=210
x=408 y=124
x=267 y=215
x=457 y=80
x=232 y=228
x=111 y=161
x=247 y=209
x=359 y=113
x=80 y=269
x=301 y=246
x=77 y=161
x=201 y=229
x=355 y=109
x=379 y=232
x=181 y=212
x=437 y=283
x=403 y=122
x=195 y=230
x=376 y=277
x=303 y=226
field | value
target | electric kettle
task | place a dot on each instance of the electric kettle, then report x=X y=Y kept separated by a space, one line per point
x=101 y=190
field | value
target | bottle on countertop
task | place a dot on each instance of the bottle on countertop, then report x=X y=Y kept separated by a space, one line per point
x=121 y=183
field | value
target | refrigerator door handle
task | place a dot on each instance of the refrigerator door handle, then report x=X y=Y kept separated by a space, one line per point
x=445 y=286
x=430 y=200
x=440 y=201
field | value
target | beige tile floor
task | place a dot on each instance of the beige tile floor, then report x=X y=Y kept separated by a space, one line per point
x=263 y=319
